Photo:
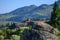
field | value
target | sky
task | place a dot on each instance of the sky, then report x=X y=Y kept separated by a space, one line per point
x=10 y=5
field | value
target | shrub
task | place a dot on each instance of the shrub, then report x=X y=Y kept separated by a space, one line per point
x=15 y=37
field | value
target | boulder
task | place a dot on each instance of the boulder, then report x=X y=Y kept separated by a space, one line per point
x=42 y=26
x=32 y=34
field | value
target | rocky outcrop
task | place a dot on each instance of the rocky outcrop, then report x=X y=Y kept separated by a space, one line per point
x=40 y=25
x=32 y=34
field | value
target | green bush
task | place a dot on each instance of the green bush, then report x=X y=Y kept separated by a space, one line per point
x=1 y=37
x=15 y=37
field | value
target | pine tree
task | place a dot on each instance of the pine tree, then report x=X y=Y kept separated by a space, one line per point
x=54 y=14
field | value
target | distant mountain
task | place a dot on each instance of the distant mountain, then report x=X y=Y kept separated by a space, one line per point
x=32 y=11
x=58 y=1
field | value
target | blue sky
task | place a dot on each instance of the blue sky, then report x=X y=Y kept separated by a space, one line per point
x=9 y=5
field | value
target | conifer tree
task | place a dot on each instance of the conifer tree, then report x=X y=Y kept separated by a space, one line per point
x=54 y=14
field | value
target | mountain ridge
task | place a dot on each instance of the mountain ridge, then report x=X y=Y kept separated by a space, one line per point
x=33 y=12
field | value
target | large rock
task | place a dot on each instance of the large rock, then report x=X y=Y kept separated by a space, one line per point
x=40 y=25
x=32 y=34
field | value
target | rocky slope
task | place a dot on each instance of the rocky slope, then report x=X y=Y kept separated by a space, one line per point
x=39 y=31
